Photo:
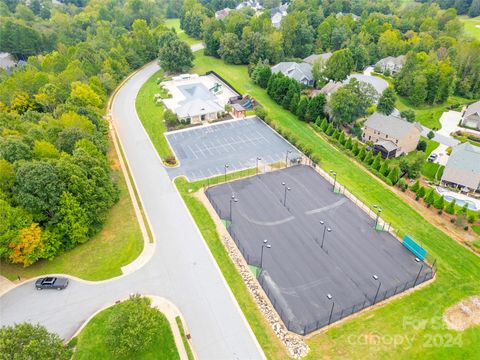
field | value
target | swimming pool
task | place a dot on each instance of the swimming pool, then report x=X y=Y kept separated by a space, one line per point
x=461 y=203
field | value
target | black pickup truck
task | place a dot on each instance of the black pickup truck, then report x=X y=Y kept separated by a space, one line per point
x=57 y=283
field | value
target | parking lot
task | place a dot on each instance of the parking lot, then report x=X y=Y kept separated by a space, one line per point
x=204 y=151
x=314 y=273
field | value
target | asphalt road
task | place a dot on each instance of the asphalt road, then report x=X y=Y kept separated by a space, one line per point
x=181 y=269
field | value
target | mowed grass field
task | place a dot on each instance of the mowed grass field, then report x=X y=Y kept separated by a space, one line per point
x=117 y=244
x=415 y=320
x=91 y=340
x=175 y=23
x=470 y=25
x=151 y=114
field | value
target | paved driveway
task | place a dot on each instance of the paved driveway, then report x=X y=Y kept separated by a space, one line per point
x=181 y=269
x=204 y=151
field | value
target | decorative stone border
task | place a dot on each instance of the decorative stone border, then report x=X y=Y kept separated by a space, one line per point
x=294 y=343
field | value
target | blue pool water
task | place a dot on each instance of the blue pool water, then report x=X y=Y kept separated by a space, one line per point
x=461 y=203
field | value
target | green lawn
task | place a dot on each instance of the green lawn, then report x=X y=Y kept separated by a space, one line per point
x=151 y=114
x=175 y=23
x=186 y=344
x=470 y=25
x=458 y=268
x=117 y=244
x=427 y=115
x=90 y=342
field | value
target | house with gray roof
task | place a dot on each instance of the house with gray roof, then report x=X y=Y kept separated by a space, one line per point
x=277 y=14
x=392 y=136
x=255 y=5
x=463 y=167
x=222 y=14
x=7 y=62
x=471 y=116
x=302 y=72
x=393 y=64
x=316 y=57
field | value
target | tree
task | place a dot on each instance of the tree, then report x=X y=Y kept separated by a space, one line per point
x=82 y=95
x=408 y=114
x=72 y=226
x=38 y=189
x=384 y=169
x=377 y=161
x=7 y=176
x=133 y=327
x=420 y=193
x=175 y=56
x=212 y=34
x=28 y=247
x=261 y=74
x=368 y=157
x=348 y=143
x=339 y=65
x=315 y=107
x=386 y=102
x=412 y=165
x=302 y=107
x=27 y=341
x=67 y=139
x=394 y=174
x=14 y=149
x=415 y=186
x=298 y=35
x=450 y=209
x=230 y=49
x=44 y=150
x=430 y=198
x=20 y=40
x=430 y=135
x=351 y=101
x=362 y=153
x=422 y=145
x=171 y=118
x=439 y=204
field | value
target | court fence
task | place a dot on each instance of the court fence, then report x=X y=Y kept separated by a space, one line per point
x=335 y=313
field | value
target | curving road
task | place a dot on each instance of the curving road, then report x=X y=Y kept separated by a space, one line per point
x=181 y=268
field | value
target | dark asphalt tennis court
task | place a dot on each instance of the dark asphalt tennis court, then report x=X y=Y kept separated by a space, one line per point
x=297 y=272
x=203 y=151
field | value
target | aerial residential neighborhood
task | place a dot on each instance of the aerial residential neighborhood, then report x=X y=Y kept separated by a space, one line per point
x=271 y=179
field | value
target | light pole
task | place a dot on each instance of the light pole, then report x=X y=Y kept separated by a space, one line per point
x=375 y=277
x=258 y=159
x=329 y=296
x=232 y=200
x=325 y=229
x=285 y=193
x=264 y=245
x=379 y=210
x=334 y=179
x=286 y=157
x=225 y=176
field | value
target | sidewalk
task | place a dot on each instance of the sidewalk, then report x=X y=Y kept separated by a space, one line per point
x=5 y=285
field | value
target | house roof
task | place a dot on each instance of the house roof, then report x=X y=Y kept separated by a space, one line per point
x=472 y=109
x=463 y=166
x=196 y=107
x=331 y=87
x=399 y=60
x=387 y=145
x=393 y=126
x=221 y=14
x=314 y=57
x=378 y=83
x=7 y=61
x=297 y=71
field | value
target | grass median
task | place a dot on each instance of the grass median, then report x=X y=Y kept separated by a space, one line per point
x=458 y=268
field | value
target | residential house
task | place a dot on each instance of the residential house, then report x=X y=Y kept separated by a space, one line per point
x=7 y=61
x=471 y=116
x=393 y=64
x=463 y=168
x=391 y=136
x=221 y=14
x=302 y=72
x=255 y=5
x=277 y=14
x=354 y=17
x=315 y=57
x=378 y=84
x=331 y=87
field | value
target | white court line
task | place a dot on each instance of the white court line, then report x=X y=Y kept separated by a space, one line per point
x=192 y=152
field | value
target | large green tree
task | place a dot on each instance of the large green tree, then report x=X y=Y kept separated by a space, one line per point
x=175 y=56
x=386 y=102
x=339 y=65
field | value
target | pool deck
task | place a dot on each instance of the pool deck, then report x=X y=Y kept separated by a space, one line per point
x=473 y=204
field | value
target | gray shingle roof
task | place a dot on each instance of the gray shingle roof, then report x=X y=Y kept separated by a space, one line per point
x=197 y=107
x=391 y=125
x=463 y=166
x=314 y=57
x=399 y=60
x=472 y=109
x=297 y=71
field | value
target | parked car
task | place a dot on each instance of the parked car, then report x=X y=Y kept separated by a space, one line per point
x=57 y=283
x=432 y=157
